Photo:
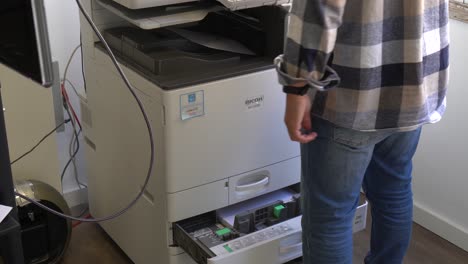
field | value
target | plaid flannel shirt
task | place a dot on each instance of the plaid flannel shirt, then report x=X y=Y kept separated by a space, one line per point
x=371 y=64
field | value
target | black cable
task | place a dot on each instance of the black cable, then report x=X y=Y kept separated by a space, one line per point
x=82 y=63
x=72 y=156
x=40 y=141
x=76 y=174
x=73 y=144
x=76 y=150
x=62 y=176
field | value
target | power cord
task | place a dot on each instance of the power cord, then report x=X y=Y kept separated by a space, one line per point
x=74 y=141
x=82 y=63
x=74 y=145
x=74 y=89
x=147 y=122
x=40 y=142
x=72 y=157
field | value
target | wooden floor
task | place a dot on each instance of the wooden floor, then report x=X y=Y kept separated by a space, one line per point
x=90 y=244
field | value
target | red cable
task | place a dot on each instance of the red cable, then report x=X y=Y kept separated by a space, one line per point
x=79 y=223
x=67 y=99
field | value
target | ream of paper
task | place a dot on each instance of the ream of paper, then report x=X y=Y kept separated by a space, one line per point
x=213 y=41
x=227 y=215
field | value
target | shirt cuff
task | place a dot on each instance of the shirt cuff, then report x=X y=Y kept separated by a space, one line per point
x=329 y=80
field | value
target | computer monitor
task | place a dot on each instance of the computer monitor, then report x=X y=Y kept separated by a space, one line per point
x=24 y=40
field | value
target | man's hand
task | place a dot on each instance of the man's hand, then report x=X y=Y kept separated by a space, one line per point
x=297 y=118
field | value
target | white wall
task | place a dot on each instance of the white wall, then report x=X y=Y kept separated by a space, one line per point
x=441 y=164
x=64 y=32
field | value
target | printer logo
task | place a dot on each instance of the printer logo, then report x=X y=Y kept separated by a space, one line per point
x=254 y=102
x=192 y=98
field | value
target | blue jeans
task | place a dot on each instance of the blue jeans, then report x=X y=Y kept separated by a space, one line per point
x=334 y=168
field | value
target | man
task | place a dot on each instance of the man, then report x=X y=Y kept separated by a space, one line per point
x=361 y=77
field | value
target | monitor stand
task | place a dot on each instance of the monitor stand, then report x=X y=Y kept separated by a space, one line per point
x=11 y=248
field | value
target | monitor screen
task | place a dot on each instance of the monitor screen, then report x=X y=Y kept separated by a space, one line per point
x=24 y=44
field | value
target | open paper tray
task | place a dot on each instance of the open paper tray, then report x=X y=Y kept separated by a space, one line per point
x=280 y=248
x=159 y=17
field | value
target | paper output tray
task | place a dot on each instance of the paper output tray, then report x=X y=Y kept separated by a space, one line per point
x=229 y=4
x=159 y=17
x=164 y=16
x=243 y=4
x=168 y=56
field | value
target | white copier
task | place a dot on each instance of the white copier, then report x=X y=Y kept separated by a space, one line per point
x=225 y=189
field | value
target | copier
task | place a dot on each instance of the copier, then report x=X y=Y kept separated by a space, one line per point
x=226 y=184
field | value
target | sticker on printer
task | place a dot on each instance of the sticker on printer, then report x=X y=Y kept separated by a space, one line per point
x=192 y=105
x=254 y=102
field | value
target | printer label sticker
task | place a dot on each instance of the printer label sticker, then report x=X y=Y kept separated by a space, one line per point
x=254 y=102
x=192 y=105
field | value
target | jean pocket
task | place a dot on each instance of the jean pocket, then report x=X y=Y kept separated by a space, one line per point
x=352 y=138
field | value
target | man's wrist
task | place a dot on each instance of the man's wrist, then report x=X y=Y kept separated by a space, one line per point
x=296 y=90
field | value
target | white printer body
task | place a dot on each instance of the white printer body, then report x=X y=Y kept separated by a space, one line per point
x=219 y=138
